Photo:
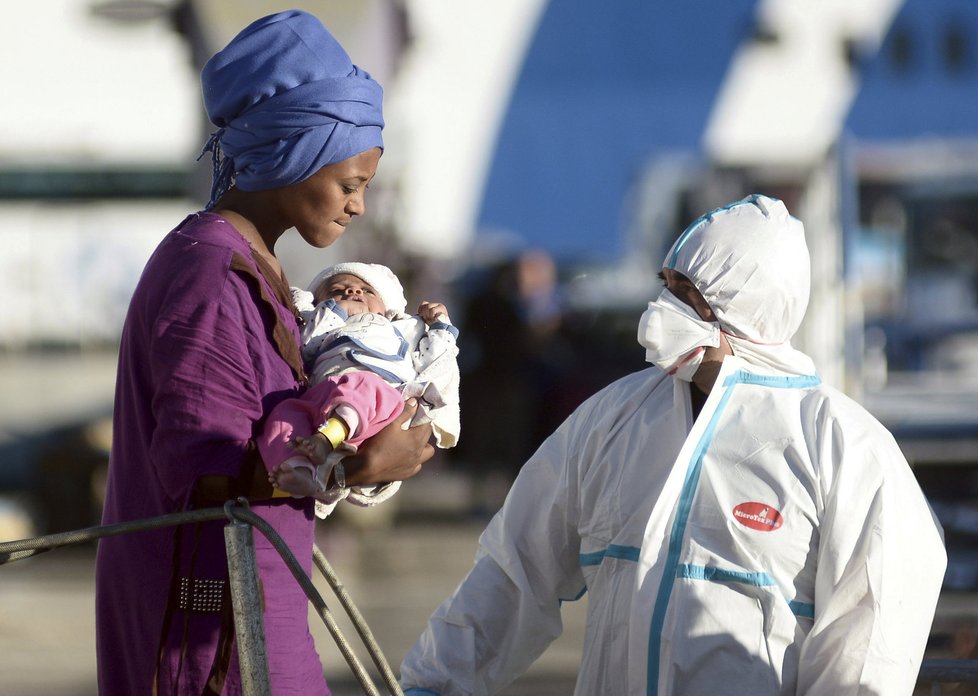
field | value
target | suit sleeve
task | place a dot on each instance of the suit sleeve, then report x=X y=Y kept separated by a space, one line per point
x=881 y=562
x=507 y=610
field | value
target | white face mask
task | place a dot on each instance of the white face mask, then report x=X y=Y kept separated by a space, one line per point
x=674 y=336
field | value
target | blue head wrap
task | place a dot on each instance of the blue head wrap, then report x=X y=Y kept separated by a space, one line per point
x=287 y=102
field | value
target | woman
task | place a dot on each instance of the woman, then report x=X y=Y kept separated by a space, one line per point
x=210 y=345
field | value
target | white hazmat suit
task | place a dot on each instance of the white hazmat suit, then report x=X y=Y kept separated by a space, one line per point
x=777 y=544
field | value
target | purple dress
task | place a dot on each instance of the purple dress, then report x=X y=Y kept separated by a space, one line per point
x=210 y=344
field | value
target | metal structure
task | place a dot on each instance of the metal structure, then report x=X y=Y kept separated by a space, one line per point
x=249 y=624
x=245 y=595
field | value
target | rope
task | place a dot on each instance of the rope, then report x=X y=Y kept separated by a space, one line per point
x=363 y=630
x=25 y=548
x=312 y=593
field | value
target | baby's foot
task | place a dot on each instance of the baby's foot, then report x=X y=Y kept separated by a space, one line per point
x=315 y=448
x=296 y=480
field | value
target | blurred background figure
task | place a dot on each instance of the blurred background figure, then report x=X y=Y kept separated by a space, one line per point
x=498 y=389
x=551 y=360
x=529 y=360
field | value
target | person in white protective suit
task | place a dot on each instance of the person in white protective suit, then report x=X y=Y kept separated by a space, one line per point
x=739 y=526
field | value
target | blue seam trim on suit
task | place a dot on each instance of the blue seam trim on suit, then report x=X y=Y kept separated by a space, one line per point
x=593 y=558
x=699 y=221
x=685 y=504
x=580 y=594
x=799 y=382
x=416 y=691
x=713 y=574
x=675 y=543
x=804 y=609
x=757 y=579
x=750 y=200
x=628 y=553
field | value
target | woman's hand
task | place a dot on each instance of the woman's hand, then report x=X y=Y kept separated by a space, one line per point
x=393 y=454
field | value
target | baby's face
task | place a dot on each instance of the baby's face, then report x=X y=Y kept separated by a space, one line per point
x=352 y=293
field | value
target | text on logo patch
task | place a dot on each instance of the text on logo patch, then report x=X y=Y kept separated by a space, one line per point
x=759 y=516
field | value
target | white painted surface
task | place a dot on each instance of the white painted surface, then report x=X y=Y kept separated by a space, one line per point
x=784 y=103
x=444 y=113
x=82 y=88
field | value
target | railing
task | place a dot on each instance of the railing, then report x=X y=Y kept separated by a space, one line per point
x=940 y=672
x=249 y=627
x=245 y=595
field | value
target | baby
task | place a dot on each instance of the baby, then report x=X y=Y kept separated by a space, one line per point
x=365 y=357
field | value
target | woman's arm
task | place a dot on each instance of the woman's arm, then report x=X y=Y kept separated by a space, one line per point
x=393 y=454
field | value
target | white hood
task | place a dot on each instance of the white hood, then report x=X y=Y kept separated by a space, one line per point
x=750 y=262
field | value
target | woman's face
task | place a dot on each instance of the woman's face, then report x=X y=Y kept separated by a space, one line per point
x=323 y=205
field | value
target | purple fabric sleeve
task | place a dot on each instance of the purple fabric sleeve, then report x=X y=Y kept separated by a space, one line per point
x=207 y=398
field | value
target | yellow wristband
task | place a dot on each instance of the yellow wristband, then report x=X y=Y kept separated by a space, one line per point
x=335 y=431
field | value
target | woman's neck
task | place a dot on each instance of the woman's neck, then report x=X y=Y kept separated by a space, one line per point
x=263 y=244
